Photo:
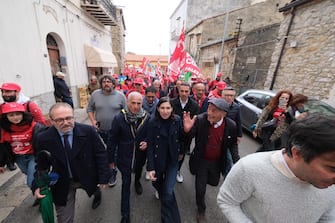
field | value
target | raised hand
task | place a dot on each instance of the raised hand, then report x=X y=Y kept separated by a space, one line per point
x=188 y=121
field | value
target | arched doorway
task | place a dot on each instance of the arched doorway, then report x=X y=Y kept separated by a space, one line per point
x=53 y=52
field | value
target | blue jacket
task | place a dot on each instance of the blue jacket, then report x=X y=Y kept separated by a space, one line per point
x=157 y=154
x=126 y=139
x=88 y=160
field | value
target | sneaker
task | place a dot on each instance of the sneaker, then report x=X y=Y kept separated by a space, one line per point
x=147 y=177
x=112 y=180
x=156 y=195
x=179 y=177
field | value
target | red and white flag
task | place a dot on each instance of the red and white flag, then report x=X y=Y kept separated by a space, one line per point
x=191 y=66
x=145 y=61
x=177 y=59
x=158 y=69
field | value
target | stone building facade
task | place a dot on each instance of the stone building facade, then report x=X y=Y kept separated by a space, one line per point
x=304 y=62
x=253 y=26
x=118 y=40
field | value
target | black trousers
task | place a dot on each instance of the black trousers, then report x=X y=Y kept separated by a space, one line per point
x=140 y=159
x=207 y=173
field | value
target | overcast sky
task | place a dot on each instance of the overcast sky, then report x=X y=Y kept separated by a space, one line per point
x=147 y=25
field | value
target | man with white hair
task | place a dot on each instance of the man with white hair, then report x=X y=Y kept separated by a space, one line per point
x=128 y=136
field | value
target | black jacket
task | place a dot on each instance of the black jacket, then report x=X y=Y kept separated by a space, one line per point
x=61 y=88
x=200 y=132
x=234 y=114
x=88 y=160
x=191 y=106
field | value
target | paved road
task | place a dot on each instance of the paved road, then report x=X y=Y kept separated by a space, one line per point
x=144 y=208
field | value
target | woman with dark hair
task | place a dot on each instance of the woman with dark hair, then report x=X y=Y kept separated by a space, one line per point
x=19 y=130
x=164 y=150
x=276 y=109
x=297 y=109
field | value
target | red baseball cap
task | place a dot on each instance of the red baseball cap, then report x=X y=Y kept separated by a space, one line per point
x=12 y=107
x=221 y=85
x=10 y=87
x=219 y=74
x=138 y=81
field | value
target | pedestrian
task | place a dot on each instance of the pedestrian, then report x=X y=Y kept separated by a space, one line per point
x=11 y=92
x=217 y=91
x=276 y=110
x=228 y=94
x=184 y=103
x=165 y=135
x=138 y=86
x=93 y=85
x=200 y=97
x=212 y=85
x=103 y=106
x=157 y=85
x=79 y=158
x=214 y=134
x=128 y=136
x=297 y=109
x=289 y=185
x=150 y=100
x=62 y=91
x=19 y=130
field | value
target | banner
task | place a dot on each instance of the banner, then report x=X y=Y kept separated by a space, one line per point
x=191 y=66
x=177 y=59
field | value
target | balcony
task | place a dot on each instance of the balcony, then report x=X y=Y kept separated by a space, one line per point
x=102 y=10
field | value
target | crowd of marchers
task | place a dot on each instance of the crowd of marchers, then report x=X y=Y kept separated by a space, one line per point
x=149 y=123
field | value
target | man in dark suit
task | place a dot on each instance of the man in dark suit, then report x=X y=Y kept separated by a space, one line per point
x=128 y=136
x=214 y=134
x=184 y=103
x=78 y=156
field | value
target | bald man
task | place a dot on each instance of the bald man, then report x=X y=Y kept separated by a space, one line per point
x=129 y=128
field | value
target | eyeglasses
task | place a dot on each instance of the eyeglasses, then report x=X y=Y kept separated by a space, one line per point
x=106 y=82
x=62 y=120
x=137 y=84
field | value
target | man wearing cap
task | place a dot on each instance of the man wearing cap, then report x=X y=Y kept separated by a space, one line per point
x=62 y=91
x=217 y=92
x=137 y=86
x=11 y=92
x=214 y=134
x=213 y=83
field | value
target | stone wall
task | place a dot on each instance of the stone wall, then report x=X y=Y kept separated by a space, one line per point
x=308 y=61
x=204 y=39
x=118 y=41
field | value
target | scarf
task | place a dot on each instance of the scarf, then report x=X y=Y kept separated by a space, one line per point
x=134 y=118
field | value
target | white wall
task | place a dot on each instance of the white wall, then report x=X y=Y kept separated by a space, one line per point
x=24 y=56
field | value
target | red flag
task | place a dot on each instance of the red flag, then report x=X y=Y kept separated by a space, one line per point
x=145 y=61
x=191 y=66
x=177 y=59
x=158 y=69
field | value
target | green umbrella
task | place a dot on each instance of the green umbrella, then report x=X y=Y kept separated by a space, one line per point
x=44 y=179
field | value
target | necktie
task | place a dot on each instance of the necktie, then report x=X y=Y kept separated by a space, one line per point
x=67 y=146
x=67 y=149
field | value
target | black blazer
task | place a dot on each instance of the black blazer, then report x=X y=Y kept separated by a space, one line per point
x=88 y=160
x=200 y=132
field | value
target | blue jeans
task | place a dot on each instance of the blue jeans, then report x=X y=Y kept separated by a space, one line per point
x=229 y=162
x=165 y=186
x=26 y=164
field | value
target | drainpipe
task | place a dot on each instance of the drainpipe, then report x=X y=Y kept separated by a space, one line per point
x=282 y=48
